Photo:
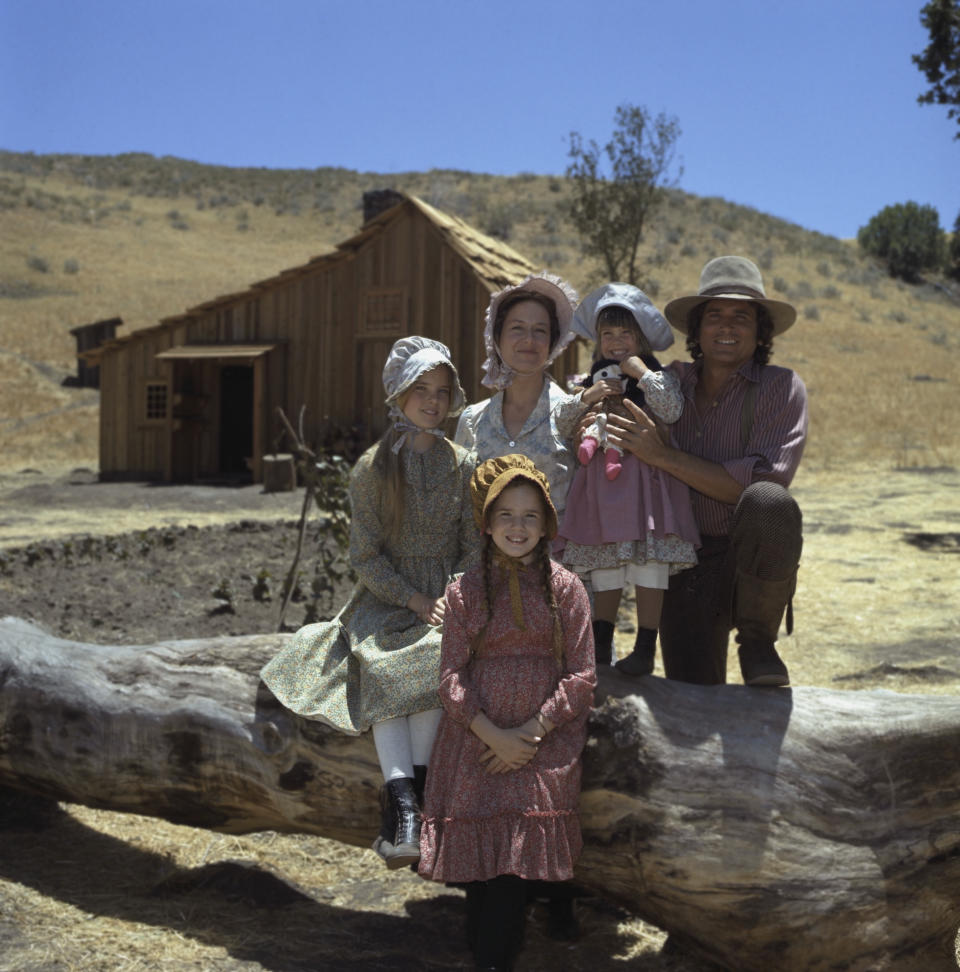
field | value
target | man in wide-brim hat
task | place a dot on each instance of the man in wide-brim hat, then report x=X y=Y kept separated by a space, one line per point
x=737 y=446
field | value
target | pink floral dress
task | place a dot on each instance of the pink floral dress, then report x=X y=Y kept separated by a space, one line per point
x=478 y=825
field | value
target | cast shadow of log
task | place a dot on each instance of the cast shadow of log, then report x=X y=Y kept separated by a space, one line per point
x=251 y=911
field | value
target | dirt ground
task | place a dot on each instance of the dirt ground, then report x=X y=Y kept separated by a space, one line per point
x=133 y=563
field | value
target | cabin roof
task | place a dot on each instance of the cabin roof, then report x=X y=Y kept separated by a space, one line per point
x=494 y=262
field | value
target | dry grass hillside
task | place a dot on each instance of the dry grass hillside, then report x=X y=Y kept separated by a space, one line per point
x=87 y=238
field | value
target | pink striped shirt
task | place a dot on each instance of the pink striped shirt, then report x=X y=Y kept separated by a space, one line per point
x=777 y=435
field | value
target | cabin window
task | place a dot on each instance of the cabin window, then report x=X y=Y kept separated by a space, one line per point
x=156 y=401
x=383 y=312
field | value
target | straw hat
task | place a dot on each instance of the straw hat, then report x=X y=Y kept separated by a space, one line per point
x=731 y=278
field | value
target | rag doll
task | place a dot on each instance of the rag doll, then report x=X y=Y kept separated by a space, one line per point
x=595 y=435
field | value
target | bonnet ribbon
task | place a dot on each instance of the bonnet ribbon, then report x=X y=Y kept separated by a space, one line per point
x=512 y=565
x=404 y=426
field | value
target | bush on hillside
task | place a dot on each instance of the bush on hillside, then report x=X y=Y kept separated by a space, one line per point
x=953 y=252
x=907 y=237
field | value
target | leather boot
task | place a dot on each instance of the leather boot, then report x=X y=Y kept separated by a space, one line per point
x=603 y=641
x=419 y=781
x=640 y=660
x=383 y=843
x=419 y=786
x=758 y=607
x=406 y=840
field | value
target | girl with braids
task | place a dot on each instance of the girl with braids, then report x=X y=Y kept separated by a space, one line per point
x=377 y=662
x=516 y=681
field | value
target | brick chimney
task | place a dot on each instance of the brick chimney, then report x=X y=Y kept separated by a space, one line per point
x=378 y=201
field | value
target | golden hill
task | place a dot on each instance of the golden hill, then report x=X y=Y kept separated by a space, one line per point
x=86 y=238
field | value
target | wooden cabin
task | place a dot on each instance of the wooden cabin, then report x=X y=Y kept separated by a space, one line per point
x=195 y=397
x=89 y=337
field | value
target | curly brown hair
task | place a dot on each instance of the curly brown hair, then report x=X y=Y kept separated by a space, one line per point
x=764 y=349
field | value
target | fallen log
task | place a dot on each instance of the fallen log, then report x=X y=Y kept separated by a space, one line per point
x=803 y=829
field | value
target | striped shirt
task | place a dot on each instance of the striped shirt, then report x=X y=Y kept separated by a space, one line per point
x=777 y=435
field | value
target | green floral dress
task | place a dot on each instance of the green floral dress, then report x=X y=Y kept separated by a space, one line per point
x=376 y=659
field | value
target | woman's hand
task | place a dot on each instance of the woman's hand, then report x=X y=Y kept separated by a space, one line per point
x=428 y=610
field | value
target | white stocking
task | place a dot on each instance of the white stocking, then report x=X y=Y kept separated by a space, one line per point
x=423 y=729
x=392 y=739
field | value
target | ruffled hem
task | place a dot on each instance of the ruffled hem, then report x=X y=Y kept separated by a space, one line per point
x=678 y=554
x=534 y=845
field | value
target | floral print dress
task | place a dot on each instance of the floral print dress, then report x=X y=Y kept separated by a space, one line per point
x=376 y=659
x=544 y=438
x=478 y=825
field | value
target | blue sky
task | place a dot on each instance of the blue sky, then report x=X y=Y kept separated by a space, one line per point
x=805 y=110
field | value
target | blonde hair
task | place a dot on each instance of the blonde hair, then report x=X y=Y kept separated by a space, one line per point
x=387 y=463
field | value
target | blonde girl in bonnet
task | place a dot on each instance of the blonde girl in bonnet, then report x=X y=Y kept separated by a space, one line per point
x=527 y=327
x=376 y=663
x=516 y=682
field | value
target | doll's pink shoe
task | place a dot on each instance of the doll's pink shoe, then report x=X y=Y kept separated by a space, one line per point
x=612 y=464
x=587 y=450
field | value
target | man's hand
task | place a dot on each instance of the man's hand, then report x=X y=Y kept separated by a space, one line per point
x=637 y=433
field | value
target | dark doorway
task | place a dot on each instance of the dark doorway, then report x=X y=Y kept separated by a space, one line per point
x=236 y=419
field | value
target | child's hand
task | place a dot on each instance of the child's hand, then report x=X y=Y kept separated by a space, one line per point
x=427 y=609
x=602 y=389
x=634 y=367
x=510 y=749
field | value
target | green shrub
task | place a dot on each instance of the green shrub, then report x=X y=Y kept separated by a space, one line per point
x=907 y=237
x=811 y=312
x=71 y=266
x=953 y=252
x=38 y=264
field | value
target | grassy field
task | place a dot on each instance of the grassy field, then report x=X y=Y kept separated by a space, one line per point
x=143 y=238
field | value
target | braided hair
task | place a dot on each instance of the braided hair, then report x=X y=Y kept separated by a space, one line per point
x=542 y=564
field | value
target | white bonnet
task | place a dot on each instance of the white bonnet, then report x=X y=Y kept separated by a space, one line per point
x=495 y=373
x=409 y=358
x=650 y=321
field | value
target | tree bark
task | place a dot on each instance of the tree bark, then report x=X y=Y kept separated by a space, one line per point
x=804 y=829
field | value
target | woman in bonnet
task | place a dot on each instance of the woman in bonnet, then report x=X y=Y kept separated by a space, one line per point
x=528 y=325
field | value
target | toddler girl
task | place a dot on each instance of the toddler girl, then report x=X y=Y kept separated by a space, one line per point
x=635 y=526
x=516 y=681
x=377 y=662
